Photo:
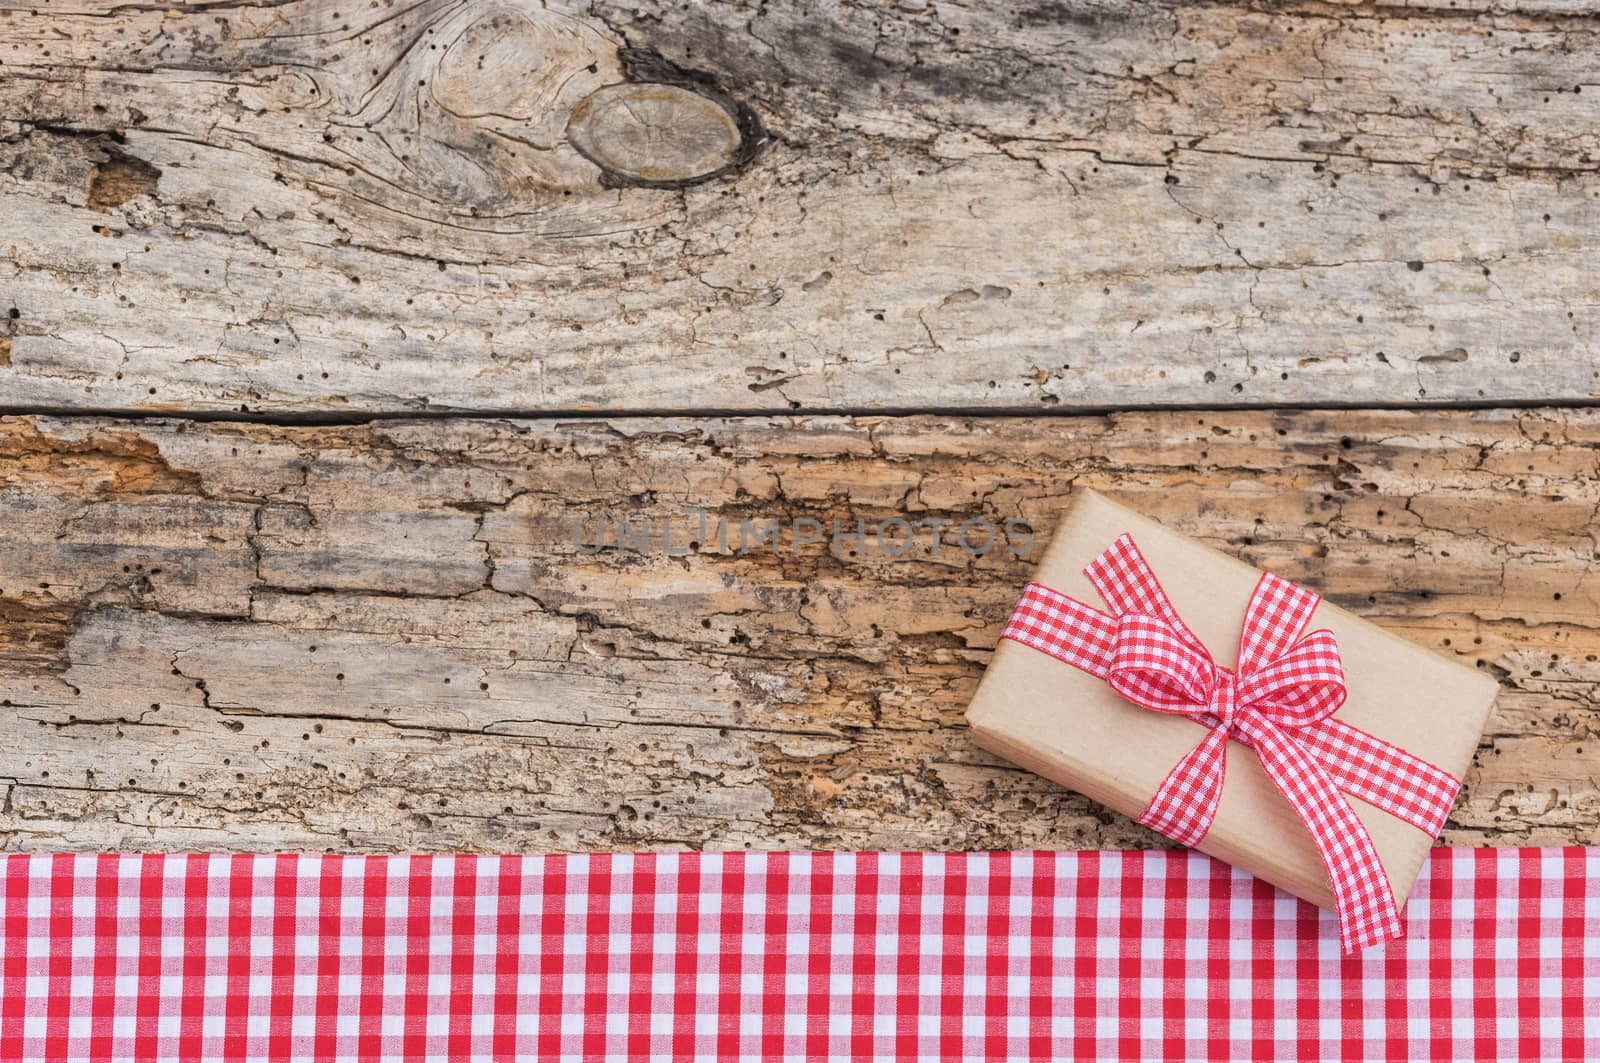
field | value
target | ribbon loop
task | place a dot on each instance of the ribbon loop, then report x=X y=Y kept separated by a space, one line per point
x=1279 y=701
x=1301 y=686
x=1152 y=666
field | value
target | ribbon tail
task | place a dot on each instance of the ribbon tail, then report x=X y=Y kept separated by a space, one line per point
x=1367 y=911
x=1124 y=579
x=1277 y=613
x=1186 y=802
x=1383 y=775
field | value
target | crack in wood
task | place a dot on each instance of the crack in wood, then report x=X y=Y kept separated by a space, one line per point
x=271 y=212
x=382 y=636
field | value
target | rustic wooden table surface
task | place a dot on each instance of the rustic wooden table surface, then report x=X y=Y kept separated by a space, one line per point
x=321 y=323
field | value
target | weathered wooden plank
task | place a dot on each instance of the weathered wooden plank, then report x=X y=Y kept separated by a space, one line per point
x=312 y=206
x=227 y=636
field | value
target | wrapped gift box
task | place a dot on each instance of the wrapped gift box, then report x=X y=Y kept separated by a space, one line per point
x=1070 y=726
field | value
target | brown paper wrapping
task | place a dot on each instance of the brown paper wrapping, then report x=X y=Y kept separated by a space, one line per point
x=1070 y=727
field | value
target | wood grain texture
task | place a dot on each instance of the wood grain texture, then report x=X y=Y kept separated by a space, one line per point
x=303 y=206
x=384 y=637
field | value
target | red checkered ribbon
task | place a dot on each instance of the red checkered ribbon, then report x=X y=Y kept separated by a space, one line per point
x=1279 y=701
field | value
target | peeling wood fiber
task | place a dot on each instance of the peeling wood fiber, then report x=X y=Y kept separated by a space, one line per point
x=384 y=637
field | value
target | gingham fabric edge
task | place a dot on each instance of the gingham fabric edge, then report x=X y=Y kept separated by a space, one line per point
x=1140 y=955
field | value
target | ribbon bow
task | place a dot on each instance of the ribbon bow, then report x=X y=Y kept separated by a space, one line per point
x=1279 y=701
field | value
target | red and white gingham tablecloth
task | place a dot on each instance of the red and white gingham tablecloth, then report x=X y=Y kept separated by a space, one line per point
x=747 y=956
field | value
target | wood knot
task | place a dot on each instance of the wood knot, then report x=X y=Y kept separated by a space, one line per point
x=659 y=135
